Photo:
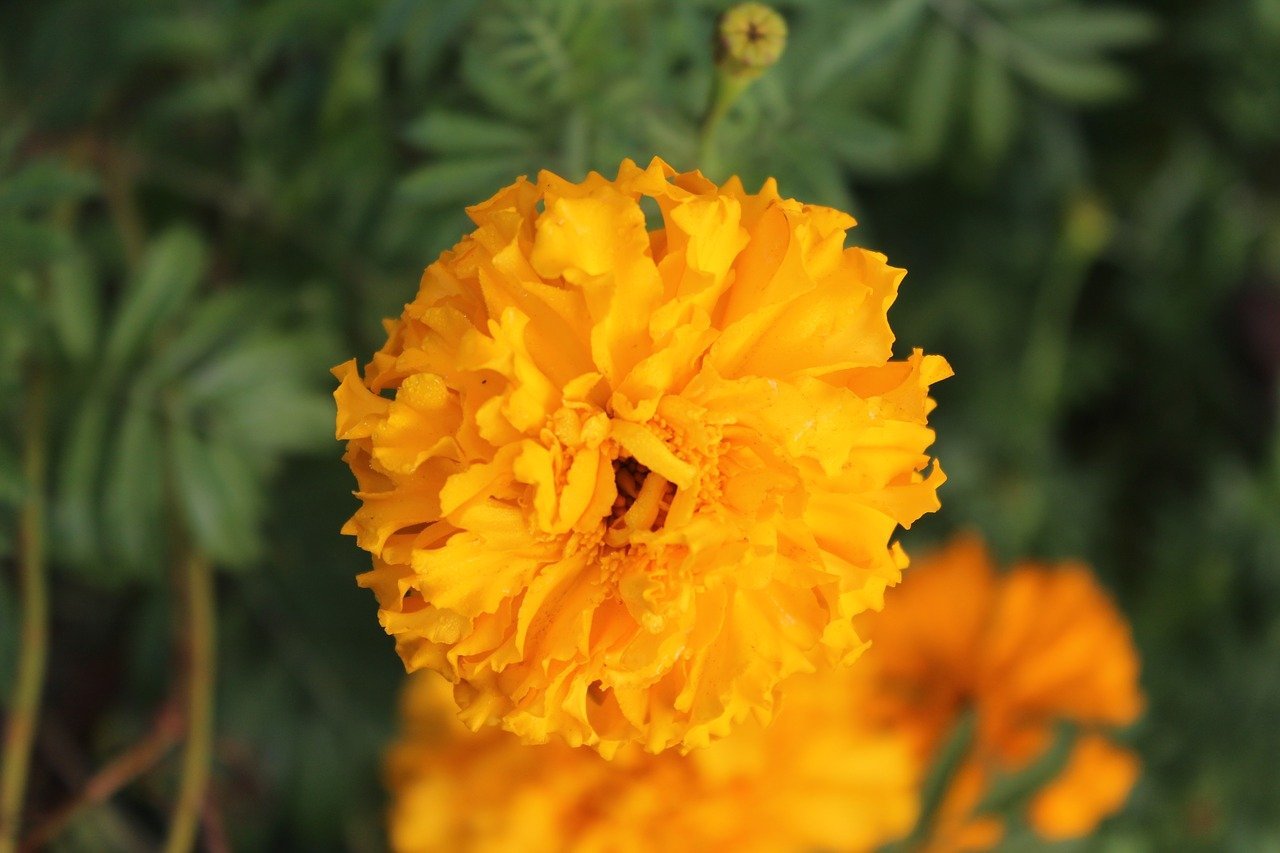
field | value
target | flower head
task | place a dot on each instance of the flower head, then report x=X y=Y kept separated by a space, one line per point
x=1023 y=652
x=813 y=780
x=620 y=483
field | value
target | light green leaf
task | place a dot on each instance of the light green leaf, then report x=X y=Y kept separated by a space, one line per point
x=1076 y=79
x=868 y=36
x=931 y=96
x=460 y=133
x=995 y=103
x=1075 y=30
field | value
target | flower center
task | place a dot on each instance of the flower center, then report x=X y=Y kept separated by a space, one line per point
x=642 y=503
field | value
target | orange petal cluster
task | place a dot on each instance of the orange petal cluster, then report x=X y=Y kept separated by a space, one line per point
x=1023 y=652
x=813 y=781
x=635 y=455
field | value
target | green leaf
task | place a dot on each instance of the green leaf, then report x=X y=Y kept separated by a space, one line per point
x=43 y=183
x=240 y=369
x=460 y=133
x=995 y=102
x=218 y=493
x=76 y=509
x=74 y=305
x=947 y=761
x=134 y=492
x=214 y=322
x=276 y=418
x=1075 y=30
x=1010 y=792
x=1072 y=79
x=867 y=37
x=170 y=272
x=452 y=181
x=931 y=100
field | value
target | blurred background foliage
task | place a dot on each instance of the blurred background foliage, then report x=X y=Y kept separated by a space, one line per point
x=203 y=205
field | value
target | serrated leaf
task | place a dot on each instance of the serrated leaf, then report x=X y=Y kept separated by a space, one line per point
x=460 y=133
x=170 y=272
x=1081 y=30
x=453 y=181
x=133 y=492
x=868 y=36
x=74 y=306
x=931 y=100
x=218 y=494
x=994 y=112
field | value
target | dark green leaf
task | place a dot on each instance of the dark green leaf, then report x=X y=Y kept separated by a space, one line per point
x=134 y=493
x=218 y=493
x=74 y=306
x=170 y=272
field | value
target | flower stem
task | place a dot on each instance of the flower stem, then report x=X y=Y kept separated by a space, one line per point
x=198 y=751
x=34 y=642
x=725 y=91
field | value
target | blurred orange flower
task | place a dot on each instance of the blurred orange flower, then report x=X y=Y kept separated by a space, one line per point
x=620 y=483
x=813 y=780
x=1022 y=652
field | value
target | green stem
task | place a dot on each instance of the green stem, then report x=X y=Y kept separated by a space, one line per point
x=725 y=92
x=34 y=643
x=198 y=751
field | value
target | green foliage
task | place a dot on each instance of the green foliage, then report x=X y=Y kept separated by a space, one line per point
x=203 y=206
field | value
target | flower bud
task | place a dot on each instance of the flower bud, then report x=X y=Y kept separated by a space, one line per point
x=750 y=37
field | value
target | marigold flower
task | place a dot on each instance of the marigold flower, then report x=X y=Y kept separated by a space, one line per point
x=813 y=780
x=1022 y=651
x=619 y=484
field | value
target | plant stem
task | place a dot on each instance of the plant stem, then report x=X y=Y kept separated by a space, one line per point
x=725 y=91
x=122 y=770
x=198 y=751
x=34 y=642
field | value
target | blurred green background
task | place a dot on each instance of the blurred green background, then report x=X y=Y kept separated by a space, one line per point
x=204 y=205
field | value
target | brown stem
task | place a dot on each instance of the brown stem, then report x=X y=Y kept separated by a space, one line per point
x=123 y=769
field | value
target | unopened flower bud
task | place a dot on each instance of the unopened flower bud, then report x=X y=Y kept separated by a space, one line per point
x=750 y=37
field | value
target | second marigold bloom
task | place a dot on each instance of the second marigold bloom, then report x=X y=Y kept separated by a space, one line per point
x=619 y=484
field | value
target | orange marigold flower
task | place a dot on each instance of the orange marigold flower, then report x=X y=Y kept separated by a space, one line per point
x=813 y=780
x=1023 y=652
x=620 y=483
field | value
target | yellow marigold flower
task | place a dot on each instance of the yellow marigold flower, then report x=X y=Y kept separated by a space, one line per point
x=1023 y=651
x=813 y=780
x=618 y=484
